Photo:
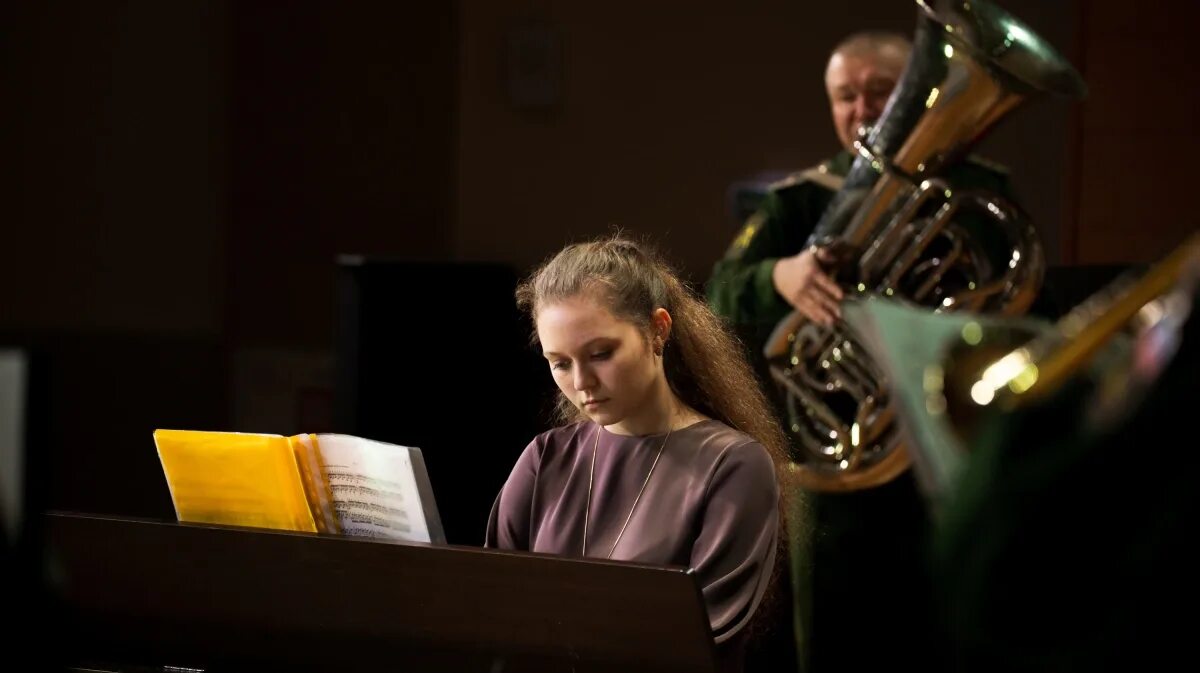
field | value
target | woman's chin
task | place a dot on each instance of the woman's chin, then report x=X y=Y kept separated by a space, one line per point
x=601 y=416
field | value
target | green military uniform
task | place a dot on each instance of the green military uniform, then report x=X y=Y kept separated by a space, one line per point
x=741 y=288
x=858 y=565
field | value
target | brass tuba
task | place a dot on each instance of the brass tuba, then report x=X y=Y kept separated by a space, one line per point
x=895 y=230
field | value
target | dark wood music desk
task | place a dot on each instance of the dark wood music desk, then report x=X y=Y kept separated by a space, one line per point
x=141 y=595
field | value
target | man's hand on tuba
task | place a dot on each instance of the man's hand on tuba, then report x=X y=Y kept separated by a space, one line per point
x=802 y=281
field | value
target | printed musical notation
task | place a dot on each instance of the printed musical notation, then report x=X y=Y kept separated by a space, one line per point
x=373 y=491
x=373 y=503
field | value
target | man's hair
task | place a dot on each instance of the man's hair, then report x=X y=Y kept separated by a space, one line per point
x=873 y=42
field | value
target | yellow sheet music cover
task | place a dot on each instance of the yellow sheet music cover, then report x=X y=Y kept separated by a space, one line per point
x=327 y=483
x=241 y=479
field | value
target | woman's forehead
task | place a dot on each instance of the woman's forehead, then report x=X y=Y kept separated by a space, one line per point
x=575 y=321
x=576 y=312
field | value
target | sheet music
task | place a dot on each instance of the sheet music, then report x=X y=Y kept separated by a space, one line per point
x=374 y=488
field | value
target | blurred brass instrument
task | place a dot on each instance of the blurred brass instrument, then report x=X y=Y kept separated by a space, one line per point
x=972 y=63
x=1004 y=369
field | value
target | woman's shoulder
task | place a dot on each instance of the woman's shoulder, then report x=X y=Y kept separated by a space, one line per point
x=721 y=432
x=724 y=441
x=551 y=447
x=562 y=438
x=728 y=457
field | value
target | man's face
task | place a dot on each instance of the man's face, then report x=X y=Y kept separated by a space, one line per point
x=859 y=86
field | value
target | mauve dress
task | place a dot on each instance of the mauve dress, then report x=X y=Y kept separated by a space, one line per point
x=711 y=505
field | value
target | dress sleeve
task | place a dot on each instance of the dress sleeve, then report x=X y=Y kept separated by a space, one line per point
x=509 y=523
x=734 y=555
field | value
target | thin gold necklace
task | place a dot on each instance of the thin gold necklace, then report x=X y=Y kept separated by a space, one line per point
x=591 y=478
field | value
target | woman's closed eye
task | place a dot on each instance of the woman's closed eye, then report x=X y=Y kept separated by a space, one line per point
x=598 y=356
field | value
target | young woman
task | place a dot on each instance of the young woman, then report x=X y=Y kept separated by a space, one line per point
x=667 y=448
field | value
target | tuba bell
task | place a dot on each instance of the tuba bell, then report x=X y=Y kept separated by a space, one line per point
x=895 y=230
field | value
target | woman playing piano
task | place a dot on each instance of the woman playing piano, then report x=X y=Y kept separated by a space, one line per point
x=666 y=448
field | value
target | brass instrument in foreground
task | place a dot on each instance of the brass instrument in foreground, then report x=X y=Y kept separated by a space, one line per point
x=1001 y=370
x=972 y=63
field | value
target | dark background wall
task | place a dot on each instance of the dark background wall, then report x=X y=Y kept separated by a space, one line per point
x=179 y=178
x=655 y=112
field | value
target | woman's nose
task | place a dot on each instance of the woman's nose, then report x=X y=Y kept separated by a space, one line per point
x=584 y=378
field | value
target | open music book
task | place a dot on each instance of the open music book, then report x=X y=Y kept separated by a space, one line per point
x=321 y=483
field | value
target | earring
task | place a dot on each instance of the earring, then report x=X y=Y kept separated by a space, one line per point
x=658 y=347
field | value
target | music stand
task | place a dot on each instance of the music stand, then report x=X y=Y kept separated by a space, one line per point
x=147 y=593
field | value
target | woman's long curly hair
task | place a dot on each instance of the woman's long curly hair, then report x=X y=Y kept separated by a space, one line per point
x=704 y=362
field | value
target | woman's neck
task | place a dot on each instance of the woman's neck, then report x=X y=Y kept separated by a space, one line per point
x=663 y=412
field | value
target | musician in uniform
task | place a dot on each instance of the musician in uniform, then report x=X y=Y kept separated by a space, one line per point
x=861 y=566
x=768 y=271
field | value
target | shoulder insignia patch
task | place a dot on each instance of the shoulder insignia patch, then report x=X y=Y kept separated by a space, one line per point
x=742 y=241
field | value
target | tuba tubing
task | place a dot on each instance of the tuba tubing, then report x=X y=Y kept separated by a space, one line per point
x=1046 y=363
x=971 y=65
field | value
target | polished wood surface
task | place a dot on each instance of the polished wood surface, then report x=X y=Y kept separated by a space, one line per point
x=146 y=593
